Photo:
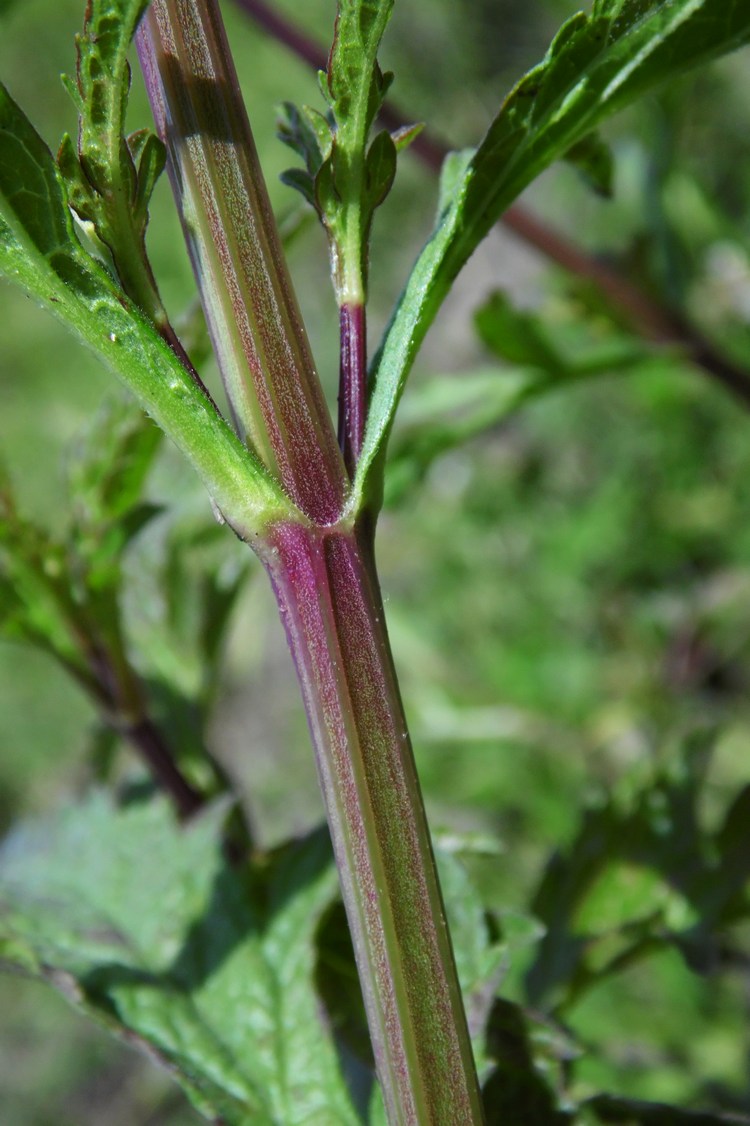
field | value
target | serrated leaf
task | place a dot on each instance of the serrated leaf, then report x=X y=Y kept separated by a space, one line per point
x=302 y=182
x=350 y=181
x=210 y=968
x=596 y=65
x=641 y=872
x=110 y=179
x=39 y=251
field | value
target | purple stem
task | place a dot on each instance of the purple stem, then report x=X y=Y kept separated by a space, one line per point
x=330 y=605
x=251 y=310
x=117 y=692
x=352 y=383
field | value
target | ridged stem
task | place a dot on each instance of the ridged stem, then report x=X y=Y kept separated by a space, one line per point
x=352 y=383
x=257 y=332
x=330 y=606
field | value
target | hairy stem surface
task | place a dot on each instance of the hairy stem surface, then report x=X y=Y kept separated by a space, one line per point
x=352 y=383
x=330 y=606
x=256 y=330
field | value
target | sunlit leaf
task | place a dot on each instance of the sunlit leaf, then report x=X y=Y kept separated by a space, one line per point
x=208 y=967
x=597 y=64
x=39 y=251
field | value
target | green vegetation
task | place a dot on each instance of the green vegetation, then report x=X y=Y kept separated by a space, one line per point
x=566 y=569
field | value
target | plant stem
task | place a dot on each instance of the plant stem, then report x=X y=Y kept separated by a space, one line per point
x=257 y=332
x=322 y=572
x=146 y=738
x=119 y=695
x=646 y=315
x=328 y=596
x=352 y=383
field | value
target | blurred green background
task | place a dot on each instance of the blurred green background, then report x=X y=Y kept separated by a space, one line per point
x=568 y=594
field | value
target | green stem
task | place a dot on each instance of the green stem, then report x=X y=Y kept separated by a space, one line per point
x=330 y=604
x=255 y=326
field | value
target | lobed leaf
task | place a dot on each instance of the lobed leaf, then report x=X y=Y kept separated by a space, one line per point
x=344 y=179
x=40 y=251
x=640 y=874
x=597 y=64
x=109 y=177
x=208 y=967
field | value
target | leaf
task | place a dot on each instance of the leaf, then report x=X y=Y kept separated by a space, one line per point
x=110 y=178
x=597 y=64
x=548 y=350
x=640 y=873
x=561 y=341
x=37 y=601
x=448 y=410
x=107 y=479
x=518 y=337
x=345 y=180
x=593 y=158
x=207 y=967
x=39 y=251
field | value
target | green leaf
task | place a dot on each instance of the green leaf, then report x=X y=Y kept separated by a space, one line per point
x=345 y=180
x=210 y=968
x=517 y=337
x=597 y=64
x=448 y=410
x=108 y=473
x=39 y=251
x=38 y=604
x=546 y=353
x=593 y=158
x=561 y=341
x=110 y=178
x=640 y=873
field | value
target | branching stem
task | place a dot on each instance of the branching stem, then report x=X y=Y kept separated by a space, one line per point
x=647 y=316
x=255 y=325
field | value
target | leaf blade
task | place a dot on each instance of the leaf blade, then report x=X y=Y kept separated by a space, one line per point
x=595 y=65
x=40 y=251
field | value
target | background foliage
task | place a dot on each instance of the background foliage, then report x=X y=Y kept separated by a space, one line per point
x=568 y=592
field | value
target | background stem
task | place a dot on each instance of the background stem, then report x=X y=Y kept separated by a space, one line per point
x=330 y=606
